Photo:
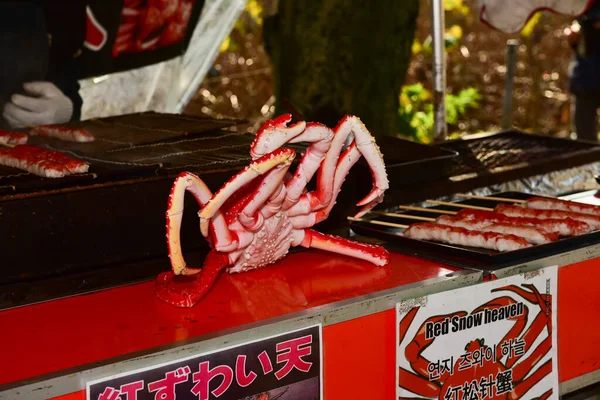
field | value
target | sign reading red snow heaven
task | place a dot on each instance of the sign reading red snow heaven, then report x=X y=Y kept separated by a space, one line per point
x=286 y=366
x=489 y=341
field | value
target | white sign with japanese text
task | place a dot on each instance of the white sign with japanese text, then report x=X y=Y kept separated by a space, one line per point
x=493 y=340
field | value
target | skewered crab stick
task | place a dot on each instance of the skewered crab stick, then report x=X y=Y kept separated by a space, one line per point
x=516 y=211
x=564 y=227
x=532 y=234
x=540 y=203
x=464 y=237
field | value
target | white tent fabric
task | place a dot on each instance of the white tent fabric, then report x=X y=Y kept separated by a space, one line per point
x=511 y=15
x=167 y=86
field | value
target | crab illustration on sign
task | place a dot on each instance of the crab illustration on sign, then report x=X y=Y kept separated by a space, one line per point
x=254 y=219
x=508 y=369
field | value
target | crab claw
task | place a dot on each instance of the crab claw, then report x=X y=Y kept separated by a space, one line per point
x=366 y=146
x=369 y=206
x=256 y=168
x=274 y=134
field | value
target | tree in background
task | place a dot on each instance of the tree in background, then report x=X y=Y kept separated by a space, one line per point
x=240 y=85
x=336 y=57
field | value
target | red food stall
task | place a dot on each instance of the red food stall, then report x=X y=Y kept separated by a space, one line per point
x=52 y=349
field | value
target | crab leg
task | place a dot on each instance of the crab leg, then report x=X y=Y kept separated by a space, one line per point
x=538 y=324
x=524 y=386
x=304 y=207
x=544 y=396
x=321 y=137
x=335 y=167
x=406 y=322
x=365 y=143
x=273 y=205
x=417 y=384
x=187 y=182
x=273 y=134
x=350 y=156
x=369 y=150
x=250 y=217
x=317 y=240
x=414 y=349
x=253 y=170
x=532 y=297
x=521 y=369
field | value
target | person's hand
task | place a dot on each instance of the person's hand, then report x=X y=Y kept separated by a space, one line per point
x=46 y=105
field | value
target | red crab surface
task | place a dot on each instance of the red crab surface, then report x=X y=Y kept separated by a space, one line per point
x=254 y=219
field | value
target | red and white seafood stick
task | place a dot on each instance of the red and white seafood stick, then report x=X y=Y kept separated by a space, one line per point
x=464 y=237
x=516 y=211
x=63 y=133
x=540 y=203
x=12 y=138
x=531 y=234
x=73 y=165
x=564 y=227
x=44 y=163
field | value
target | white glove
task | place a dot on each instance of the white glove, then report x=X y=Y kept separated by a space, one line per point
x=47 y=105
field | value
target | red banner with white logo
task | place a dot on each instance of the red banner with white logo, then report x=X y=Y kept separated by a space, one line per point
x=123 y=35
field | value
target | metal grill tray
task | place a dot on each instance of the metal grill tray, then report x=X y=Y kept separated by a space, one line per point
x=461 y=256
x=512 y=150
x=409 y=162
x=136 y=129
x=118 y=135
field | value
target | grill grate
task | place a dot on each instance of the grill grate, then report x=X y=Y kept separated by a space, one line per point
x=511 y=150
x=136 y=146
x=212 y=152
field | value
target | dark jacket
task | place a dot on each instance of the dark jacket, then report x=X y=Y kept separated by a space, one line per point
x=39 y=41
x=585 y=74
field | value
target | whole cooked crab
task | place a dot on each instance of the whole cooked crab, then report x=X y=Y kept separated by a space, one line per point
x=254 y=219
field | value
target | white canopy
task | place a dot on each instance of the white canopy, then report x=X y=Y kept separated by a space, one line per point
x=511 y=15
x=167 y=86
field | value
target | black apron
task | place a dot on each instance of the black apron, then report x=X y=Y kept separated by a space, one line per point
x=24 y=47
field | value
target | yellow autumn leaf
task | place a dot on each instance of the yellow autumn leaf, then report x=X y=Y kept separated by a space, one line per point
x=255 y=9
x=425 y=95
x=416 y=47
x=455 y=31
x=450 y=5
x=225 y=45
x=404 y=100
x=530 y=25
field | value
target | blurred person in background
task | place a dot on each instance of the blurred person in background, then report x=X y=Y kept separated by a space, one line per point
x=584 y=38
x=40 y=40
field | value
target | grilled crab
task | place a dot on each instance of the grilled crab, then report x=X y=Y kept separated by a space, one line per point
x=254 y=219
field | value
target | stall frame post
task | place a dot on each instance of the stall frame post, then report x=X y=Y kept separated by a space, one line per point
x=511 y=60
x=439 y=71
